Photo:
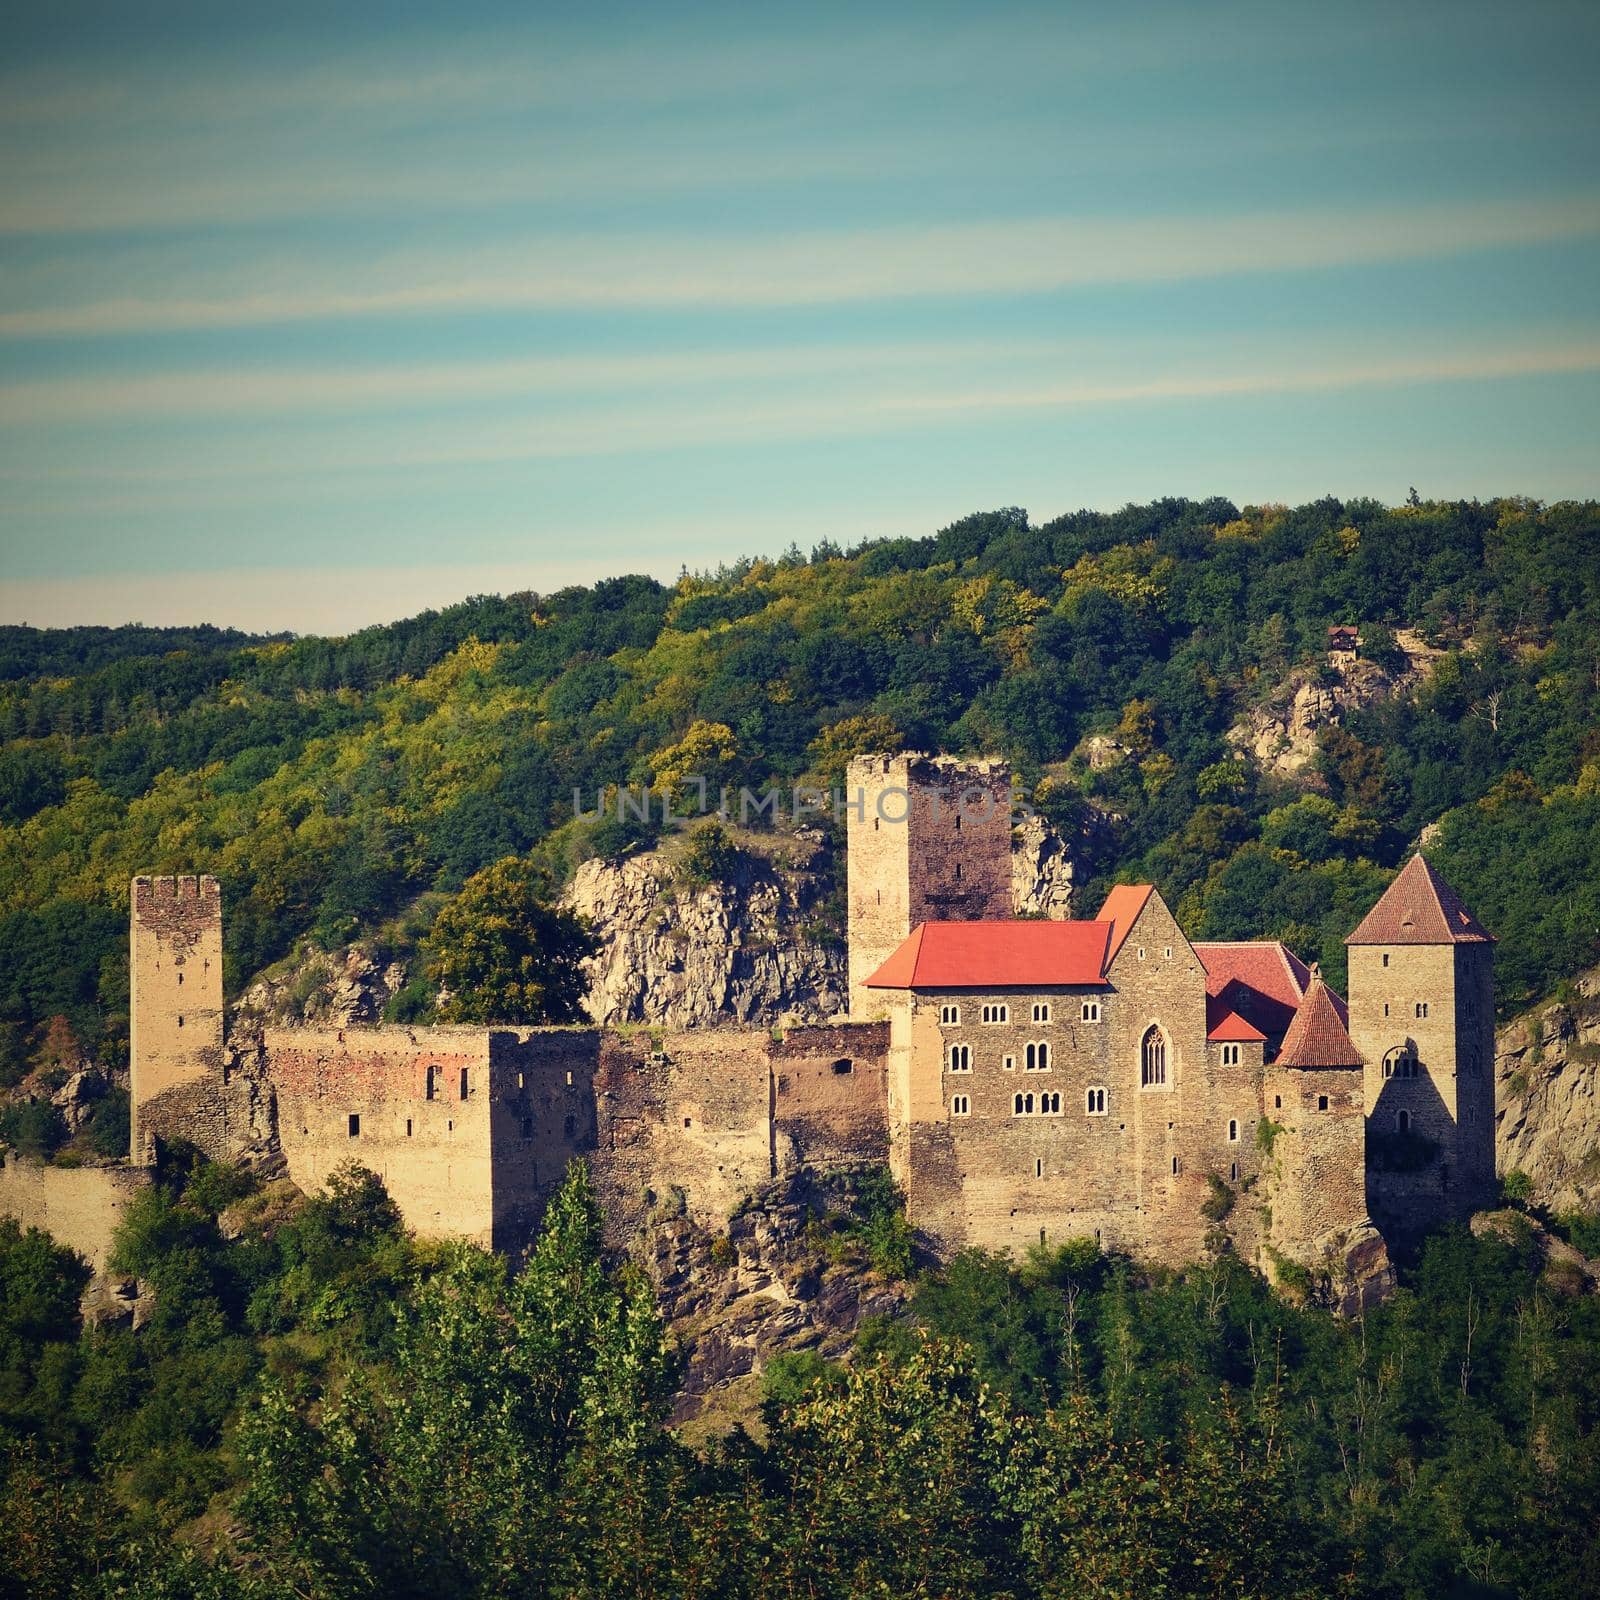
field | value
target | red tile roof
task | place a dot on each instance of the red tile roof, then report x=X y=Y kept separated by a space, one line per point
x=1318 y=1036
x=996 y=955
x=1121 y=910
x=1262 y=980
x=1419 y=907
x=1228 y=1027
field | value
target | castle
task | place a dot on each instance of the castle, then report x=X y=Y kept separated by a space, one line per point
x=1026 y=1080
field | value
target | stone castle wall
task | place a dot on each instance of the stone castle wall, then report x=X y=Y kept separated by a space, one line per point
x=80 y=1206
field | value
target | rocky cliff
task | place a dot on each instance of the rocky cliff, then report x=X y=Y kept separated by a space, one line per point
x=1548 y=1097
x=1281 y=734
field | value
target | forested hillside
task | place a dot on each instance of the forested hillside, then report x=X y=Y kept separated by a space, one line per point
x=342 y=787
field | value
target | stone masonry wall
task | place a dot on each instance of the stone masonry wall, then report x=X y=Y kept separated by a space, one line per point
x=1316 y=1184
x=175 y=1016
x=1408 y=1187
x=434 y=1155
x=80 y=1207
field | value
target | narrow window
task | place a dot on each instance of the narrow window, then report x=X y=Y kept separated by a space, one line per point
x=1027 y=1104
x=527 y=1127
x=463 y=1083
x=1095 y=1101
x=1038 y=1166
x=688 y=1122
x=1041 y=1011
x=960 y=1105
x=1322 y=1102
x=1016 y=1105
x=520 y=1082
x=1422 y=1008
x=355 y=1125
x=180 y=980
x=1230 y=1055
x=1052 y=1103
x=958 y=872
x=1009 y=1063
x=1090 y=1011
x=1233 y=1130
x=1168 y=953
x=433 y=1083
x=1386 y=958
x=1153 y=1060
x=1386 y=1008
x=1174 y=1166
x=961 y=1058
x=408 y=1127
x=180 y=1022
x=1402 y=1121
x=1141 y=952
x=1233 y=1172
x=958 y=823
x=569 y=1077
x=1277 y=1102
x=949 y=1016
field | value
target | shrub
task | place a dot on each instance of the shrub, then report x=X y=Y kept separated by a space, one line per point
x=108 y=1127
x=710 y=857
x=1218 y=1205
x=33 y=1127
x=1516 y=1188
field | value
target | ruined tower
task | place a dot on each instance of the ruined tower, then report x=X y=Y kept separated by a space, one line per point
x=1422 y=1016
x=175 y=1013
x=929 y=840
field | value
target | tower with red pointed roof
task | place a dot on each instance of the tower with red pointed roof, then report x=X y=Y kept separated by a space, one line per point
x=1422 y=1015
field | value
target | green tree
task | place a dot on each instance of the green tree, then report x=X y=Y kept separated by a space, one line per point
x=505 y=953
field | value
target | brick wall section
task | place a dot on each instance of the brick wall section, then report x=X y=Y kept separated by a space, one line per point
x=80 y=1207
x=928 y=840
x=175 y=1017
x=433 y=1156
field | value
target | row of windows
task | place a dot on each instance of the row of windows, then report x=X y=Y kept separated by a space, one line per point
x=1095 y=1103
x=1036 y=1058
x=1000 y=1012
x=1419 y=1009
x=569 y=1126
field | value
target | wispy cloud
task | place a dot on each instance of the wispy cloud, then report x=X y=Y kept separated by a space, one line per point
x=1024 y=256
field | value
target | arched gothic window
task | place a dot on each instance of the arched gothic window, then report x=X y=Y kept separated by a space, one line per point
x=1153 y=1060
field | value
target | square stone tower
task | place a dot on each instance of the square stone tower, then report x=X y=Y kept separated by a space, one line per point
x=175 y=1012
x=928 y=840
x=1422 y=1016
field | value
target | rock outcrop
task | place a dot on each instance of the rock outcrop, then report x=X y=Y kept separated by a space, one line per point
x=348 y=987
x=756 y=947
x=769 y=1285
x=1281 y=735
x=1041 y=871
x=1548 y=1098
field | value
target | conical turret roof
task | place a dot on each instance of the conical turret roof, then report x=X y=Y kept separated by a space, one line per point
x=1318 y=1037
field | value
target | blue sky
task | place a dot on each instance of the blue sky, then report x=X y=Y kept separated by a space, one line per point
x=309 y=323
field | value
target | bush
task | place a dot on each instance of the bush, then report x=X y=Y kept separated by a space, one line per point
x=108 y=1126
x=710 y=856
x=1218 y=1205
x=1516 y=1188
x=33 y=1127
